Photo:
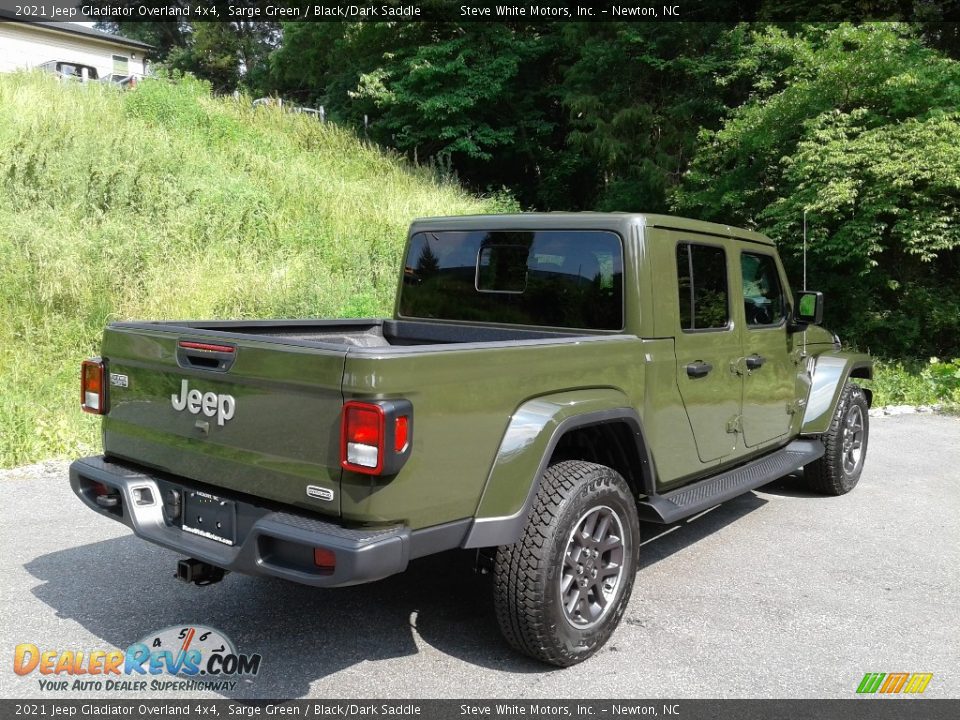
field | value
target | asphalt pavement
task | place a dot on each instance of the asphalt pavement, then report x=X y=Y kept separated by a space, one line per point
x=778 y=593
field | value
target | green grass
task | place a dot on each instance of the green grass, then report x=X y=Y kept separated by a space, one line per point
x=165 y=203
x=916 y=382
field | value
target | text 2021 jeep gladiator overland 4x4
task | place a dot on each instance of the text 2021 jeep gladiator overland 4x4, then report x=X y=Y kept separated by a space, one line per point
x=546 y=381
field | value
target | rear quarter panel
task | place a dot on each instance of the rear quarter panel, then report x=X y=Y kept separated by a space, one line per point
x=463 y=400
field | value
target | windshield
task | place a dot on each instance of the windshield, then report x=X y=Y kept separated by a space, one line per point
x=549 y=278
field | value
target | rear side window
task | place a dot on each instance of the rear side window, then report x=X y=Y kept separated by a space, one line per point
x=549 y=278
x=763 y=301
x=702 y=282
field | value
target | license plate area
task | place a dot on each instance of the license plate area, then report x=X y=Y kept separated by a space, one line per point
x=210 y=517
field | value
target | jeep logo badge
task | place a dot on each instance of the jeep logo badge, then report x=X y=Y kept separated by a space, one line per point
x=210 y=404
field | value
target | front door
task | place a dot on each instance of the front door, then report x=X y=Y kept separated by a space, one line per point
x=771 y=373
x=708 y=346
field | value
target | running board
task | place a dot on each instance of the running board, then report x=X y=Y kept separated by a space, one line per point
x=704 y=494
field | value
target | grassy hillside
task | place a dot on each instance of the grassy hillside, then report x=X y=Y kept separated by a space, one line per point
x=164 y=203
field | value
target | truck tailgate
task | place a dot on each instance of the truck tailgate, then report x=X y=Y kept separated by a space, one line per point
x=265 y=423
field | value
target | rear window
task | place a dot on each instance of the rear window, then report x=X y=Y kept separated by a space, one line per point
x=550 y=278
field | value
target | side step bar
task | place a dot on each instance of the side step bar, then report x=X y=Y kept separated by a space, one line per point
x=704 y=494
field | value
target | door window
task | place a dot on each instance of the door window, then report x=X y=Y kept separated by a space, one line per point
x=702 y=282
x=763 y=302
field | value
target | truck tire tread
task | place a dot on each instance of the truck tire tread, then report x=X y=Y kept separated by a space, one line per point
x=826 y=475
x=521 y=588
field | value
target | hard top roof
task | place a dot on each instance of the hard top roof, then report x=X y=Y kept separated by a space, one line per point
x=583 y=220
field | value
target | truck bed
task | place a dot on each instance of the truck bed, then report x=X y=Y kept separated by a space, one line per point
x=281 y=386
x=362 y=333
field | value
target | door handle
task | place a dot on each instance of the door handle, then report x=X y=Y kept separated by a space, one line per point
x=755 y=361
x=699 y=369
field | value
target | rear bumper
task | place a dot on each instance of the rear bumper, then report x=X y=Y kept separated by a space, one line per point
x=272 y=543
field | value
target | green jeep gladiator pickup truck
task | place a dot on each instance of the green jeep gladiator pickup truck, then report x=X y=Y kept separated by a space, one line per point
x=546 y=382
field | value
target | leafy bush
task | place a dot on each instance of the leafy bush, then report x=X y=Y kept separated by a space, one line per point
x=913 y=382
x=944 y=378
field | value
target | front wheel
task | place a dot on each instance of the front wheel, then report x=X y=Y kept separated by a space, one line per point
x=561 y=590
x=845 y=443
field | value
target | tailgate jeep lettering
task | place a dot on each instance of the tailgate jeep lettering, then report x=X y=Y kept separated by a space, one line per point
x=210 y=404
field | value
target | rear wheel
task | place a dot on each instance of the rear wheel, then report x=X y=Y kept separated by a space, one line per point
x=561 y=590
x=845 y=443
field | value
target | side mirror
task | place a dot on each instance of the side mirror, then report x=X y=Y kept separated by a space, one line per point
x=808 y=309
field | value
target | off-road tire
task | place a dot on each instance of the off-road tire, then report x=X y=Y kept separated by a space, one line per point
x=830 y=475
x=529 y=575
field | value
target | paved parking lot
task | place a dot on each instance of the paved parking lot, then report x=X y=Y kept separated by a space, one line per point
x=778 y=593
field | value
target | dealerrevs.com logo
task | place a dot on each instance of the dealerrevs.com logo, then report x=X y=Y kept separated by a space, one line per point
x=199 y=657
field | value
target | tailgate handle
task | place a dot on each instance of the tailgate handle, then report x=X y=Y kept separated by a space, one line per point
x=199 y=355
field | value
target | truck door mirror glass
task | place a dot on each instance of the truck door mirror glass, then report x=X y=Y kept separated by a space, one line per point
x=809 y=308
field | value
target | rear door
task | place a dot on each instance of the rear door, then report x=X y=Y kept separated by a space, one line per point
x=264 y=422
x=707 y=346
x=771 y=372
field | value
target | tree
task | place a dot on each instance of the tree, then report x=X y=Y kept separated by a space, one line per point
x=478 y=97
x=212 y=53
x=230 y=55
x=637 y=94
x=860 y=127
x=321 y=63
x=567 y=116
x=163 y=35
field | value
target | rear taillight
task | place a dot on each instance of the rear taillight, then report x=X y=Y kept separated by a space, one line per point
x=325 y=560
x=363 y=431
x=375 y=436
x=401 y=427
x=93 y=386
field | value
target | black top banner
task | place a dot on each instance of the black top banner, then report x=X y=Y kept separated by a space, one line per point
x=482 y=10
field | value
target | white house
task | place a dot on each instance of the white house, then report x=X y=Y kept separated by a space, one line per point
x=30 y=45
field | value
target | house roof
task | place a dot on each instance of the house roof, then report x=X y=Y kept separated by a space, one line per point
x=77 y=30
